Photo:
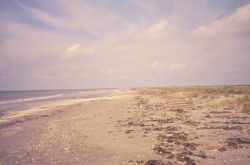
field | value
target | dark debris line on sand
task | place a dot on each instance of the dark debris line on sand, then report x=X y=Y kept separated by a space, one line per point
x=176 y=144
x=172 y=144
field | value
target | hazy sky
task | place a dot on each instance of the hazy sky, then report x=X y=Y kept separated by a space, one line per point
x=123 y=43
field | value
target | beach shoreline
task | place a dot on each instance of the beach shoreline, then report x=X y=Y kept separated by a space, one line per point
x=128 y=126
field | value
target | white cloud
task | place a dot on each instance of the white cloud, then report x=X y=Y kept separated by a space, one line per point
x=203 y=31
x=72 y=50
x=165 y=67
x=84 y=16
x=78 y=50
x=80 y=16
x=117 y=71
x=177 y=66
x=157 y=30
x=29 y=42
x=47 y=18
x=41 y=77
x=110 y=71
x=131 y=51
x=124 y=77
x=156 y=66
x=237 y=23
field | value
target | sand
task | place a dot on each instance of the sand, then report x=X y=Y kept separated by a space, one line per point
x=127 y=127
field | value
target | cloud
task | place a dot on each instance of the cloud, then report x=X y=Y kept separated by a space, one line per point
x=147 y=48
x=82 y=15
x=124 y=77
x=45 y=17
x=156 y=66
x=117 y=71
x=177 y=66
x=110 y=71
x=236 y=24
x=157 y=30
x=41 y=77
x=78 y=50
x=73 y=50
x=26 y=42
x=165 y=67
x=203 y=31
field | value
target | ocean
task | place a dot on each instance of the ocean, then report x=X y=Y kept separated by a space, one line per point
x=21 y=100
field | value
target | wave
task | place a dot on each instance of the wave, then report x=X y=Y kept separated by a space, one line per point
x=30 y=99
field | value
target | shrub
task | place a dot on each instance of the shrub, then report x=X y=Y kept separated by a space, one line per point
x=204 y=96
x=246 y=106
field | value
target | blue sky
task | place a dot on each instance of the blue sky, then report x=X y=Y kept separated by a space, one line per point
x=127 y=43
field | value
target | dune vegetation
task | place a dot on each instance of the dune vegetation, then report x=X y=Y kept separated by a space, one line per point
x=239 y=93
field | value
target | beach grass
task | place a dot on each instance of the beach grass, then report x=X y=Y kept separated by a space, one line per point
x=240 y=93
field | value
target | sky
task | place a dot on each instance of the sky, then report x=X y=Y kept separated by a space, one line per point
x=65 y=44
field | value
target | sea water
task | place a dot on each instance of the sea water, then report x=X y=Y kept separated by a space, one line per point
x=21 y=100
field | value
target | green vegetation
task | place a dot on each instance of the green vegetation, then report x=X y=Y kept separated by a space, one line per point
x=246 y=107
x=245 y=101
x=196 y=91
x=239 y=93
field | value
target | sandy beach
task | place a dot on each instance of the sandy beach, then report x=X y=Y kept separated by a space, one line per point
x=128 y=127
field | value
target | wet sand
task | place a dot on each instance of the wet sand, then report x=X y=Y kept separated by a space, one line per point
x=128 y=127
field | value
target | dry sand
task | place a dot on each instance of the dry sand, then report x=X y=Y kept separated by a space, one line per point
x=128 y=127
